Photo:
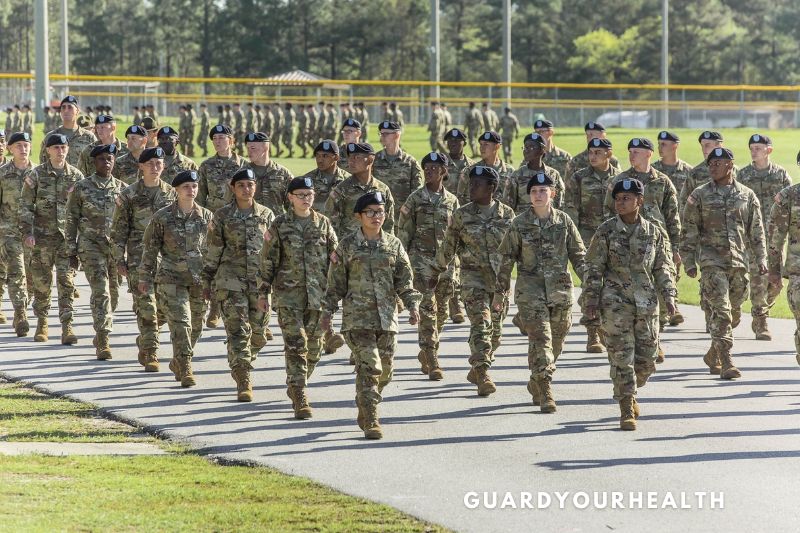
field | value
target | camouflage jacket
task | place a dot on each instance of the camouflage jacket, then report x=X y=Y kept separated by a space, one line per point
x=324 y=184
x=515 y=189
x=43 y=206
x=584 y=200
x=422 y=225
x=136 y=206
x=582 y=161
x=454 y=169
x=368 y=277
x=78 y=140
x=504 y=169
x=213 y=189
x=697 y=177
x=401 y=173
x=723 y=228
x=558 y=159
x=784 y=220
x=238 y=121
x=235 y=240
x=90 y=212
x=302 y=122
x=342 y=201
x=509 y=127
x=85 y=163
x=11 y=180
x=473 y=121
x=628 y=265
x=766 y=184
x=295 y=260
x=179 y=240
x=271 y=182
x=677 y=173
x=541 y=250
x=126 y=168
x=205 y=120
x=475 y=236
x=173 y=164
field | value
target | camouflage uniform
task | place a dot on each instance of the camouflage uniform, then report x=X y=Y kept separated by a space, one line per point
x=294 y=268
x=79 y=139
x=175 y=163
x=677 y=173
x=12 y=255
x=436 y=127
x=503 y=169
x=509 y=129
x=342 y=200
x=90 y=211
x=136 y=206
x=213 y=188
x=289 y=119
x=400 y=172
x=235 y=239
x=473 y=126
x=582 y=161
x=86 y=162
x=271 y=183
x=558 y=159
x=626 y=267
x=180 y=240
x=784 y=220
x=126 y=168
x=43 y=213
x=454 y=170
x=515 y=188
x=698 y=176
x=324 y=185
x=202 y=136
x=421 y=227
x=238 y=129
x=302 y=129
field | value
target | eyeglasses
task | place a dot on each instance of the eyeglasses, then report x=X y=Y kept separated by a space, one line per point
x=371 y=213
x=304 y=196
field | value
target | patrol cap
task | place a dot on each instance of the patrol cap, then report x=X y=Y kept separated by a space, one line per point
x=436 y=158
x=219 y=129
x=360 y=148
x=243 y=174
x=491 y=136
x=370 y=198
x=104 y=119
x=168 y=131
x=151 y=153
x=149 y=123
x=539 y=179
x=710 y=136
x=185 y=176
x=542 y=124
x=757 y=138
x=487 y=173
x=69 y=99
x=594 y=126
x=103 y=149
x=256 y=137
x=720 y=153
x=599 y=143
x=454 y=133
x=632 y=185
x=56 y=139
x=327 y=145
x=19 y=136
x=84 y=121
x=640 y=142
x=535 y=138
x=136 y=130
x=668 y=136
x=351 y=123
x=300 y=183
x=389 y=125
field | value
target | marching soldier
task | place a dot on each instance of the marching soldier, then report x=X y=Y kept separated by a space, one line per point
x=77 y=137
x=515 y=190
x=271 y=178
x=489 y=145
x=676 y=169
x=105 y=128
x=174 y=161
x=593 y=130
x=350 y=133
x=554 y=156
x=287 y=131
x=436 y=126
x=509 y=129
x=395 y=167
x=205 y=124
x=126 y=166
x=473 y=126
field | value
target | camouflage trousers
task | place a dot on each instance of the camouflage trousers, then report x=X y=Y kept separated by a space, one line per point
x=145 y=306
x=244 y=326
x=793 y=296
x=486 y=325
x=44 y=256
x=187 y=135
x=12 y=263
x=472 y=139
x=436 y=144
x=184 y=308
x=762 y=293
x=101 y=273
x=433 y=312
x=547 y=327
x=632 y=343
x=202 y=142
x=286 y=139
x=373 y=351
x=723 y=291
x=302 y=342
x=586 y=236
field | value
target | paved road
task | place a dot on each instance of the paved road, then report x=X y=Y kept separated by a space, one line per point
x=697 y=433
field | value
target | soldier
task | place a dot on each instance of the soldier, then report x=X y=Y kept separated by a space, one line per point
x=329 y=127
x=258 y=119
x=509 y=129
x=766 y=179
x=126 y=166
x=709 y=140
x=271 y=178
x=90 y=211
x=174 y=161
x=490 y=120
x=202 y=142
x=137 y=116
x=489 y=144
x=723 y=227
x=593 y=130
x=421 y=227
x=395 y=167
x=553 y=156
x=135 y=208
x=302 y=129
x=474 y=237
x=398 y=114
x=386 y=113
x=627 y=265
x=237 y=125
x=151 y=127
x=314 y=118
x=231 y=265
x=294 y=266
x=16 y=119
x=279 y=120
x=250 y=118
x=42 y=217
x=327 y=175
x=77 y=137
x=183 y=128
x=359 y=113
x=287 y=132
x=27 y=120
x=191 y=123
x=473 y=125
x=351 y=133
x=12 y=256
x=105 y=128
x=370 y=265
x=436 y=127
x=448 y=117
x=9 y=121
x=515 y=190
x=676 y=169
x=177 y=235
x=151 y=112
x=227 y=116
x=222 y=116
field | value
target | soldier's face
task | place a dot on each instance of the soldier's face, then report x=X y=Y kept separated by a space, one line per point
x=627 y=203
x=760 y=152
x=244 y=190
x=257 y=150
x=455 y=146
x=532 y=151
x=489 y=150
x=434 y=173
x=187 y=191
x=480 y=190
x=68 y=112
x=390 y=138
x=706 y=145
x=375 y=221
x=168 y=143
x=359 y=162
x=222 y=142
x=594 y=134
x=325 y=160
x=152 y=169
x=546 y=133
x=667 y=148
x=136 y=142
x=541 y=196
x=301 y=199
x=720 y=169
x=599 y=157
x=20 y=150
x=104 y=131
x=104 y=164
x=639 y=157
x=58 y=153
x=351 y=135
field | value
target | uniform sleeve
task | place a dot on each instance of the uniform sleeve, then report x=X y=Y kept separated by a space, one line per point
x=558 y=201
x=663 y=267
x=779 y=218
x=608 y=201
x=202 y=187
x=121 y=227
x=509 y=196
x=388 y=223
x=691 y=232
x=83 y=160
x=758 y=240
x=669 y=209
x=270 y=260
x=74 y=203
x=27 y=202
x=332 y=209
x=576 y=249
x=404 y=280
x=571 y=201
x=216 y=245
x=508 y=253
x=462 y=188
x=450 y=244
x=689 y=185
x=416 y=176
x=406 y=223
x=337 y=281
x=151 y=244
x=596 y=264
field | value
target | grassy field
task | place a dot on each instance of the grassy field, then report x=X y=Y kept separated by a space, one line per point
x=176 y=492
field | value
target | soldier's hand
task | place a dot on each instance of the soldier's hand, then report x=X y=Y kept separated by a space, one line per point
x=143 y=287
x=325 y=322
x=263 y=305
x=413 y=316
x=670 y=305
x=691 y=272
x=122 y=268
x=73 y=262
x=30 y=241
x=591 y=311
x=762 y=269
x=775 y=280
x=206 y=294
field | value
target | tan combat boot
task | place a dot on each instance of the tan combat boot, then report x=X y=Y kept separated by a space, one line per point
x=593 y=344
x=435 y=373
x=102 y=347
x=332 y=341
x=372 y=426
x=761 y=329
x=41 y=334
x=360 y=419
x=548 y=404
x=423 y=362
x=213 y=315
x=736 y=317
x=456 y=311
x=68 y=336
x=187 y=375
x=712 y=361
x=484 y=382
x=536 y=394
x=302 y=409
x=636 y=411
x=677 y=318
x=472 y=377
x=150 y=358
x=244 y=390
x=660 y=356
x=729 y=371
x=627 y=419
x=517 y=321
x=3 y=318
x=21 y=325
x=643 y=369
x=175 y=367
x=268 y=334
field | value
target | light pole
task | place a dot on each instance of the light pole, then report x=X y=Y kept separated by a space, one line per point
x=435 y=50
x=64 y=42
x=507 y=50
x=665 y=61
